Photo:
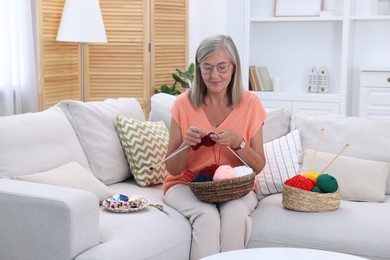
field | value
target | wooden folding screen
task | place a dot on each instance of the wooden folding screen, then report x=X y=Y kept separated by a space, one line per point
x=169 y=36
x=147 y=41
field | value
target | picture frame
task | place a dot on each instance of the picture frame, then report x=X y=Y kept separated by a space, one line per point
x=287 y=8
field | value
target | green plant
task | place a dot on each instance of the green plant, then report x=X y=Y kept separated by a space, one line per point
x=183 y=77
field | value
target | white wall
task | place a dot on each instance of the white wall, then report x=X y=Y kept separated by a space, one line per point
x=209 y=17
x=204 y=20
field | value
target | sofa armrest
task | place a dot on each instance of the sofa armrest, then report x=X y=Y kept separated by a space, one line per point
x=39 y=221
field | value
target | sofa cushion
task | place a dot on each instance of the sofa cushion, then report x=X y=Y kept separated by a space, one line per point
x=71 y=175
x=35 y=142
x=354 y=228
x=276 y=124
x=358 y=179
x=145 y=144
x=94 y=124
x=146 y=234
x=161 y=104
x=281 y=163
x=368 y=138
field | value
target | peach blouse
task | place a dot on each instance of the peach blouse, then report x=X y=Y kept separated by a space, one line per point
x=246 y=119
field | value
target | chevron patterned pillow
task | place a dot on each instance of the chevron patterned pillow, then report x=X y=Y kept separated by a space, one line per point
x=145 y=144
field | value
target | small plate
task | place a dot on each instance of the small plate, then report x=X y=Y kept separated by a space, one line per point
x=120 y=203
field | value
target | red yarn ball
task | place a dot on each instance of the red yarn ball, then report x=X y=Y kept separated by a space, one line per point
x=300 y=182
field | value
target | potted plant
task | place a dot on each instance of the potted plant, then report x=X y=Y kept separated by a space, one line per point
x=185 y=78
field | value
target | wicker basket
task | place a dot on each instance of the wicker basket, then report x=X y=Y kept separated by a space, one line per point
x=301 y=200
x=223 y=190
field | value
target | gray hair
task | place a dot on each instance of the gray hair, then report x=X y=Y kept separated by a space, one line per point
x=207 y=47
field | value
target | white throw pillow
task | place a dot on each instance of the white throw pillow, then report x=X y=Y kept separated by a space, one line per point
x=282 y=162
x=71 y=175
x=358 y=179
x=35 y=142
x=94 y=124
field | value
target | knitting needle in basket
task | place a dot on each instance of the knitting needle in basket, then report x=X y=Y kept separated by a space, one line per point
x=169 y=157
x=337 y=155
x=238 y=156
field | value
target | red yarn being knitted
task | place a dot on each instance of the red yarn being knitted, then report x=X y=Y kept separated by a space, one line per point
x=301 y=182
x=206 y=141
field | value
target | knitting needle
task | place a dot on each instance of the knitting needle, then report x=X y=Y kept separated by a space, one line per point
x=169 y=157
x=316 y=149
x=337 y=155
x=238 y=156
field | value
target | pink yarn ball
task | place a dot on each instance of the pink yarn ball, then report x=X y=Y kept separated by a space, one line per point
x=224 y=172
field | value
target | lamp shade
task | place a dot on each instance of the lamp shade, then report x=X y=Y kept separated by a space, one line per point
x=81 y=21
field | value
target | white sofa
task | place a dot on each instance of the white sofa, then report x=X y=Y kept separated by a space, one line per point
x=40 y=221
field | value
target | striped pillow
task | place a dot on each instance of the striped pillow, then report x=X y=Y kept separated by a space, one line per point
x=282 y=162
x=145 y=144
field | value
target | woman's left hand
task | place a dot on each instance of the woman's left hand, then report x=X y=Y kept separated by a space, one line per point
x=227 y=137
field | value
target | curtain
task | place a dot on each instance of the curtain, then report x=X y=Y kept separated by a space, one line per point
x=18 y=63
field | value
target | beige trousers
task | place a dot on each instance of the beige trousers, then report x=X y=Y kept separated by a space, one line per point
x=215 y=228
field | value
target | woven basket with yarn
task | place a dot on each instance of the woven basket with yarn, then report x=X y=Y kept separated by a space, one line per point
x=308 y=201
x=218 y=191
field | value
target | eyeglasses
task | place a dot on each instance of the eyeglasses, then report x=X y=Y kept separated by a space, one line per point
x=221 y=68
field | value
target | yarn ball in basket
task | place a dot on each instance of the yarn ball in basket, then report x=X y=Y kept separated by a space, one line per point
x=224 y=172
x=316 y=189
x=203 y=177
x=300 y=182
x=327 y=183
x=311 y=175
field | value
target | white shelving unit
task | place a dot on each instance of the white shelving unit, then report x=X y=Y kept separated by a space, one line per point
x=289 y=46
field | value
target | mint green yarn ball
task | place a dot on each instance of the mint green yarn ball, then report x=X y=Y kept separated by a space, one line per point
x=316 y=189
x=327 y=183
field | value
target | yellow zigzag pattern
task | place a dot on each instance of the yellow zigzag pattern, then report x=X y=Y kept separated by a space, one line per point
x=145 y=143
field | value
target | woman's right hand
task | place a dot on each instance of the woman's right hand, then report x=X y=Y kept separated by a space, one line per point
x=194 y=136
x=177 y=164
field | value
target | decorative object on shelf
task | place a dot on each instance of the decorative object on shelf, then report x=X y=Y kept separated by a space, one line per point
x=323 y=79
x=312 y=80
x=297 y=7
x=384 y=7
x=82 y=22
x=276 y=84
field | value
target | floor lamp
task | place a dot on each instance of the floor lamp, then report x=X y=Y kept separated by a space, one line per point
x=82 y=22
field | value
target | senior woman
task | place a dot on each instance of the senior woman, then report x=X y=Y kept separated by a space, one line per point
x=216 y=102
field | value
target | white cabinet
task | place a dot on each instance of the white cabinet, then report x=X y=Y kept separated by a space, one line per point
x=290 y=46
x=375 y=91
